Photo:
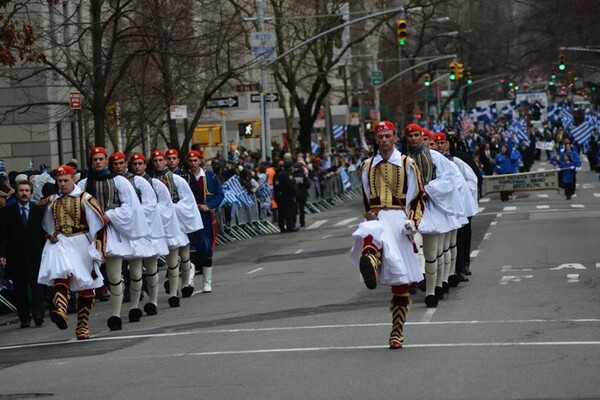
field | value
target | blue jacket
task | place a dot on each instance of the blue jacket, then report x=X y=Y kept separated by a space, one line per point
x=568 y=172
x=507 y=163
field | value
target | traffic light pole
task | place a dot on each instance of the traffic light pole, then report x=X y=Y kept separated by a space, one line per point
x=264 y=112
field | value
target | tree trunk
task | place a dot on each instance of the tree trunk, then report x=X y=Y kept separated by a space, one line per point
x=98 y=103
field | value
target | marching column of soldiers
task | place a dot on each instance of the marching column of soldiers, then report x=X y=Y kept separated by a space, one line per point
x=115 y=224
x=421 y=199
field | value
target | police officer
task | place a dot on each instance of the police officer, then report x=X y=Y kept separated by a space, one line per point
x=285 y=190
x=303 y=184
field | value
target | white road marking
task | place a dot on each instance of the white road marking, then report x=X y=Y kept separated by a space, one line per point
x=509 y=208
x=577 y=206
x=317 y=224
x=499 y=215
x=298 y=251
x=255 y=270
x=326 y=236
x=345 y=221
x=572 y=278
x=597 y=265
x=542 y=196
x=596 y=194
x=569 y=266
x=474 y=253
x=493 y=223
x=487 y=235
x=542 y=207
x=510 y=268
x=428 y=314
x=480 y=209
x=293 y=328
x=513 y=278
x=484 y=200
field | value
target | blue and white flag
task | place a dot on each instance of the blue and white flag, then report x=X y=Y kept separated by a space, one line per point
x=554 y=112
x=566 y=117
x=338 y=131
x=235 y=194
x=508 y=111
x=582 y=133
x=439 y=126
x=519 y=128
x=314 y=147
x=494 y=111
x=263 y=192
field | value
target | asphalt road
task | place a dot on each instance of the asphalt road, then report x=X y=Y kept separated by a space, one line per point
x=289 y=318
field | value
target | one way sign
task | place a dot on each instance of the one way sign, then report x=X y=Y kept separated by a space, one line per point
x=223 y=102
x=272 y=97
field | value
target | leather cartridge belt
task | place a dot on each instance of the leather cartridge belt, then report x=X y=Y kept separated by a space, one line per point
x=372 y=215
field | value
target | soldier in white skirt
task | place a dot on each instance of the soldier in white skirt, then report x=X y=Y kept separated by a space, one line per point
x=442 y=211
x=383 y=248
x=72 y=255
x=165 y=211
x=146 y=248
x=189 y=220
x=126 y=222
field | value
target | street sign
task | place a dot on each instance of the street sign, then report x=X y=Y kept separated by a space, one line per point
x=376 y=78
x=263 y=45
x=178 y=112
x=75 y=100
x=269 y=97
x=248 y=87
x=223 y=102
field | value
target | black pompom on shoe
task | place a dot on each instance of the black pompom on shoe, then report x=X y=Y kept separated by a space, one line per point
x=135 y=314
x=174 y=301
x=187 y=291
x=453 y=281
x=150 y=309
x=114 y=323
x=431 y=301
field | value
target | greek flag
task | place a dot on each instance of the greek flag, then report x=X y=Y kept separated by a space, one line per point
x=519 y=128
x=508 y=111
x=494 y=111
x=554 y=112
x=482 y=114
x=263 y=192
x=566 y=116
x=338 y=131
x=235 y=194
x=314 y=147
x=583 y=132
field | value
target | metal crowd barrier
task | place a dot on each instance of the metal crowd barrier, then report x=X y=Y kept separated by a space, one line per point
x=242 y=223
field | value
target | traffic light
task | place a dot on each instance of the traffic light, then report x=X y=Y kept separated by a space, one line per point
x=453 y=70
x=553 y=74
x=561 y=62
x=427 y=79
x=249 y=129
x=469 y=78
x=401 y=33
x=459 y=71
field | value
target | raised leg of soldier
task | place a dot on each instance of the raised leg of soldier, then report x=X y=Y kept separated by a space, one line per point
x=370 y=262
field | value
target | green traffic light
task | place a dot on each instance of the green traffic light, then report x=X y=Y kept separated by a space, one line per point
x=593 y=88
x=516 y=88
x=470 y=81
x=510 y=84
x=551 y=83
x=562 y=67
x=452 y=77
x=553 y=76
x=402 y=42
x=427 y=83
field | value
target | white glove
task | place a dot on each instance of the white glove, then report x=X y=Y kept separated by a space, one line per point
x=409 y=228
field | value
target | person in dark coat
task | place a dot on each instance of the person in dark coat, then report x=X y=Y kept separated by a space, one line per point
x=303 y=184
x=21 y=243
x=285 y=191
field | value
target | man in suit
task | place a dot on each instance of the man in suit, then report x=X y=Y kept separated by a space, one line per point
x=21 y=245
